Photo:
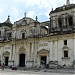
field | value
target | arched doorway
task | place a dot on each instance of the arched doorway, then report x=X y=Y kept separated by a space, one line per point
x=22 y=60
x=43 y=54
x=43 y=60
x=22 y=57
x=6 y=57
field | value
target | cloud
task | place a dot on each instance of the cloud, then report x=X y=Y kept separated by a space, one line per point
x=32 y=14
x=40 y=8
x=1 y=10
x=73 y=1
x=46 y=14
x=41 y=3
x=14 y=14
x=14 y=11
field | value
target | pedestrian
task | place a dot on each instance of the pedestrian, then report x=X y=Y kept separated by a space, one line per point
x=3 y=66
x=41 y=64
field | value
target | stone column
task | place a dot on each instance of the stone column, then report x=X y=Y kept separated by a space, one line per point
x=32 y=55
x=67 y=20
x=35 y=54
x=64 y=20
x=74 y=53
x=74 y=20
x=47 y=59
x=74 y=48
x=56 y=21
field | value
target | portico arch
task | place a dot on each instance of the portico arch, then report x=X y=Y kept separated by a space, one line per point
x=43 y=52
x=6 y=57
x=6 y=53
x=43 y=56
x=22 y=50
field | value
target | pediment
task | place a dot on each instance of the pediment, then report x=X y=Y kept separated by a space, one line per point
x=43 y=51
x=24 y=21
x=22 y=49
x=65 y=48
x=6 y=53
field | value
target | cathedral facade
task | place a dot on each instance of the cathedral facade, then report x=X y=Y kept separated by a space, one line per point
x=29 y=43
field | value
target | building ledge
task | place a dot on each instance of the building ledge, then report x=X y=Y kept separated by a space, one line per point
x=65 y=58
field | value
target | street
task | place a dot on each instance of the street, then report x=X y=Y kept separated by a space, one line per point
x=19 y=72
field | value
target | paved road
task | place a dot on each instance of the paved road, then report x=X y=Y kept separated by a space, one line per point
x=18 y=72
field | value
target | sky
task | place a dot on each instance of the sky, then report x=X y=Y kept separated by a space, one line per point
x=40 y=8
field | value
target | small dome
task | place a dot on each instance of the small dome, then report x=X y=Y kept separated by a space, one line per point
x=8 y=20
x=7 y=23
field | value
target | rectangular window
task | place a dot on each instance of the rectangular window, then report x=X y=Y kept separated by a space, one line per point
x=70 y=20
x=65 y=53
x=23 y=35
x=65 y=42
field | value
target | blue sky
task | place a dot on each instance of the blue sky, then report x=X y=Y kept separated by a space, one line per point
x=17 y=8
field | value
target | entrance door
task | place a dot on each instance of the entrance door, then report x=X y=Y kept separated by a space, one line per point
x=43 y=60
x=6 y=61
x=22 y=60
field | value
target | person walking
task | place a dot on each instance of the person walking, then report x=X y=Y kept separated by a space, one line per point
x=3 y=66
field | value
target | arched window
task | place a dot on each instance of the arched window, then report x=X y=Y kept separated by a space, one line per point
x=23 y=35
x=66 y=53
x=66 y=21
x=0 y=33
x=70 y=20
x=60 y=22
x=51 y=21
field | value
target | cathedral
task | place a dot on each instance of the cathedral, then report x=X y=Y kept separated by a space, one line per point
x=30 y=43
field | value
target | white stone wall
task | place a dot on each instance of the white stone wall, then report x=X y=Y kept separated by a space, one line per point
x=70 y=54
x=55 y=48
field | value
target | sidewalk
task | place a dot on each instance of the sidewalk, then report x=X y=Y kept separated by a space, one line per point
x=60 y=70
x=71 y=71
